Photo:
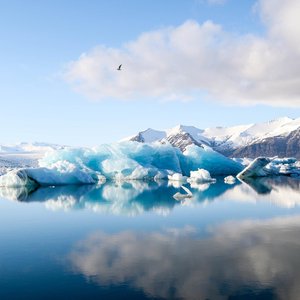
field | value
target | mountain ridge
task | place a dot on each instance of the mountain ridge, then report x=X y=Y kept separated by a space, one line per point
x=279 y=136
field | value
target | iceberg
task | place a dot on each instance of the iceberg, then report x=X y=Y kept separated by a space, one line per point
x=264 y=166
x=200 y=176
x=284 y=166
x=255 y=168
x=204 y=157
x=177 y=177
x=62 y=173
x=119 y=162
x=17 y=179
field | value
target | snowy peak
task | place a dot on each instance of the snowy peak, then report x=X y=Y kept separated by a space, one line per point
x=150 y=135
x=194 y=132
x=225 y=139
x=179 y=136
x=182 y=136
x=237 y=136
x=147 y=136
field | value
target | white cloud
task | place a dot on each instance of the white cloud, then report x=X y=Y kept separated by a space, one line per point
x=180 y=62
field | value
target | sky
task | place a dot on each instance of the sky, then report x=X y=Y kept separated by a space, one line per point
x=193 y=62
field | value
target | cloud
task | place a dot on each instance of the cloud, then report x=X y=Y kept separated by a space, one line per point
x=237 y=257
x=193 y=60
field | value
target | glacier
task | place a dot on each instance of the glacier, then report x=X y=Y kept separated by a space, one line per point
x=120 y=161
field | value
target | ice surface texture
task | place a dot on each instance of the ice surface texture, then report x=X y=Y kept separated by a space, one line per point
x=121 y=161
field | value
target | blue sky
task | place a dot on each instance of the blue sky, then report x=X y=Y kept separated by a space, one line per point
x=39 y=40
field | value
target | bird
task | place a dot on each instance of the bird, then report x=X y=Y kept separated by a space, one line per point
x=119 y=68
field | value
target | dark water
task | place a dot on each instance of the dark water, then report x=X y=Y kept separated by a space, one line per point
x=135 y=241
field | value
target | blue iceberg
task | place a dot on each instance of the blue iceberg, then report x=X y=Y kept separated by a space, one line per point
x=120 y=161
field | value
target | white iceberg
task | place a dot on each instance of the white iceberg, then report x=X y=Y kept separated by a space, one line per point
x=200 y=176
x=16 y=179
x=255 y=168
x=177 y=177
x=264 y=166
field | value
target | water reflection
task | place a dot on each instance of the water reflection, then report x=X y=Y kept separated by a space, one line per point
x=239 y=259
x=210 y=258
x=136 y=197
x=279 y=191
x=126 y=198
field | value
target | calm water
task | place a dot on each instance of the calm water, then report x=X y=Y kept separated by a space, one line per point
x=135 y=241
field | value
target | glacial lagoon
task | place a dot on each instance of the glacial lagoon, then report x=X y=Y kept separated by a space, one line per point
x=229 y=241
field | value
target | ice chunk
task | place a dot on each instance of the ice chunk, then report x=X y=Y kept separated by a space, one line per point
x=60 y=174
x=200 y=176
x=177 y=177
x=256 y=168
x=263 y=166
x=17 y=178
x=283 y=166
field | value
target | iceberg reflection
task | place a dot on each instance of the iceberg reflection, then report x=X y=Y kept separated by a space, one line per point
x=280 y=191
x=136 y=197
x=121 y=198
x=245 y=259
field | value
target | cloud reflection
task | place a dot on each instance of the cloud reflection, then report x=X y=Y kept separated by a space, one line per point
x=248 y=258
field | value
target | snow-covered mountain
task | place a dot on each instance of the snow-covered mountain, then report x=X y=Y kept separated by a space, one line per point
x=276 y=137
x=29 y=147
x=23 y=154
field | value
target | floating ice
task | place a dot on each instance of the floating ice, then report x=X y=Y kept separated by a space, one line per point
x=122 y=161
x=263 y=166
x=177 y=177
x=200 y=176
x=60 y=173
x=255 y=168
x=17 y=178
x=283 y=166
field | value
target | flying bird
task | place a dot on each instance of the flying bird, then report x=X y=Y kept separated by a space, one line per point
x=119 y=68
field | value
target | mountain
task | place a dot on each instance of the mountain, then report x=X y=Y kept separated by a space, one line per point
x=147 y=136
x=36 y=147
x=279 y=137
x=23 y=154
